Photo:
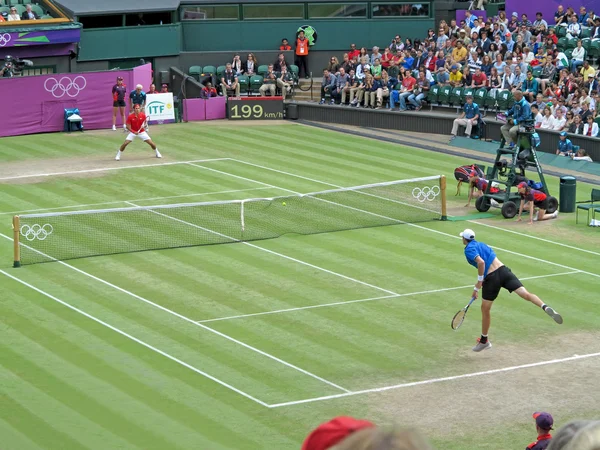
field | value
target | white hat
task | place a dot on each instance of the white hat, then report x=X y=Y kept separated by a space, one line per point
x=468 y=234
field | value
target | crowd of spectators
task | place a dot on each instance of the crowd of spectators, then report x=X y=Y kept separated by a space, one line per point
x=348 y=433
x=556 y=76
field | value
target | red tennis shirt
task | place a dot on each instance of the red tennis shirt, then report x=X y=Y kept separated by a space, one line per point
x=136 y=122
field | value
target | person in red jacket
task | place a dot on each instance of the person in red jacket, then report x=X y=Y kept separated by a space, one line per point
x=302 y=54
x=208 y=91
x=531 y=199
x=285 y=46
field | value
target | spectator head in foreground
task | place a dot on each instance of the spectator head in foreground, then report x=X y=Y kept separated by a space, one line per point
x=347 y=433
x=543 y=421
x=577 y=435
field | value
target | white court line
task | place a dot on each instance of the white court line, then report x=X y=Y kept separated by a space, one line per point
x=372 y=299
x=104 y=169
x=472 y=221
x=187 y=319
x=548 y=241
x=388 y=218
x=134 y=200
x=139 y=341
x=437 y=380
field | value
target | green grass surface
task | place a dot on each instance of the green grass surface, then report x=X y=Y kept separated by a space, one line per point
x=193 y=347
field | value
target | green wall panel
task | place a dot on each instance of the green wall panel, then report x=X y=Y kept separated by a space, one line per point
x=130 y=42
x=332 y=34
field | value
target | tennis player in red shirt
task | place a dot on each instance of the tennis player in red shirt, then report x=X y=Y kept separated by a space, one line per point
x=531 y=199
x=136 y=125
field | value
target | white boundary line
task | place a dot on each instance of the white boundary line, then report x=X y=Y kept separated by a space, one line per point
x=406 y=223
x=104 y=169
x=372 y=299
x=437 y=380
x=134 y=200
x=139 y=341
x=548 y=241
x=187 y=319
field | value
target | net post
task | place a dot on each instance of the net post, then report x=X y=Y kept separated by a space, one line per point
x=242 y=221
x=16 y=235
x=443 y=193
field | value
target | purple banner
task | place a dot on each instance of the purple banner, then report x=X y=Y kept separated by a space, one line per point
x=27 y=38
x=547 y=8
x=41 y=51
x=36 y=104
x=196 y=109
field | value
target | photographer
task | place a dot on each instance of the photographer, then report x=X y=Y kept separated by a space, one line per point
x=12 y=66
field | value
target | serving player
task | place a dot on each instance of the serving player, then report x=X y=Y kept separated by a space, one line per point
x=118 y=91
x=136 y=125
x=492 y=275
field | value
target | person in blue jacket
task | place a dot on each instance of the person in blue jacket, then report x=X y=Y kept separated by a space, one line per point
x=520 y=112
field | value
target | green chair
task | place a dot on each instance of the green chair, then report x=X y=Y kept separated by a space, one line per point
x=563 y=43
x=586 y=32
x=569 y=54
x=244 y=82
x=595 y=49
x=504 y=99
x=572 y=43
x=209 y=70
x=467 y=91
x=432 y=95
x=560 y=31
x=587 y=44
x=490 y=99
x=20 y=9
x=256 y=81
x=444 y=96
x=597 y=120
x=39 y=11
x=262 y=70
x=479 y=97
x=455 y=96
x=536 y=71
x=195 y=72
x=4 y=9
x=220 y=72
x=592 y=205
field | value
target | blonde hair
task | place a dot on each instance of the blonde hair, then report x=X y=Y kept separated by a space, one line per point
x=377 y=438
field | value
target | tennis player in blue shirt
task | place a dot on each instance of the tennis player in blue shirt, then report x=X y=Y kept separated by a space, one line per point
x=491 y=276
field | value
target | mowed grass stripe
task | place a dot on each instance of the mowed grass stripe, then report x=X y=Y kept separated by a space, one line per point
x=137 y=386
x=14 y=436
x=246 y=369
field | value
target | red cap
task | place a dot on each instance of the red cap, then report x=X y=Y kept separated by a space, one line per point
x=333 y=432
x=522 y=184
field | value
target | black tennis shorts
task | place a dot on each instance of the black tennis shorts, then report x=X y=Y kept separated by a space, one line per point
x=542 y=205
x=120 y=103
x=499 y=278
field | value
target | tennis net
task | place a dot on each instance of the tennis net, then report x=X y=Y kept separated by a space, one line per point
x=79 y=234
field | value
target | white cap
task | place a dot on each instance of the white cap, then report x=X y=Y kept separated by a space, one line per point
x=468 y=234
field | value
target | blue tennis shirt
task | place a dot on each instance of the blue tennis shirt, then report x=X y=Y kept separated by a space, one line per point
x=475 y=249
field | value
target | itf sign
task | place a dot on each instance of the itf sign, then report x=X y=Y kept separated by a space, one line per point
x=160 y=108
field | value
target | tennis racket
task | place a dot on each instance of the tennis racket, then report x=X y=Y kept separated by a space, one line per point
x=459 y=317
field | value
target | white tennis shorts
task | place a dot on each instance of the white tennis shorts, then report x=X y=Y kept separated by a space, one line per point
x=143 y=136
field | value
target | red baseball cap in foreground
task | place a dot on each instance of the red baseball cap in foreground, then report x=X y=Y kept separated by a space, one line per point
x=333 y=432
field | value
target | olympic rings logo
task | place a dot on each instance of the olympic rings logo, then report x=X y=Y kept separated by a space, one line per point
x=35 y=231
x=427 y=193
x=4 y=39
x=72 y=88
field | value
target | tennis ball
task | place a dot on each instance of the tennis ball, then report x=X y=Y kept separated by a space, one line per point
x=282 y=203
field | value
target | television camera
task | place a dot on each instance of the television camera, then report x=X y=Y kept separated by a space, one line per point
x=13 y=66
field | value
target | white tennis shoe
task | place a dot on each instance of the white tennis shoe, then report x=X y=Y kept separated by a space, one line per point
x=118 y=157
x=480 y=347
x=114 y=128
x=158 y=155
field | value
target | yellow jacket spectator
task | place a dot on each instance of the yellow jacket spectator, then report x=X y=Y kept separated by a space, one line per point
x=587 y=71
x=459 y=54
x=456 y=77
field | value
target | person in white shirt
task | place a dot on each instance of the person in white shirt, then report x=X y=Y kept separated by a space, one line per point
x=528 y=56
x=13 y=15
x=535 y=112
x=573 y=29
x=577 y=57
x=547 y=119
x=581 y=155
x=590 y=128
x=507 y=79
x=558 y=123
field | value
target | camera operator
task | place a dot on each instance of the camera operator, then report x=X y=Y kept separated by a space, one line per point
x=12 y=66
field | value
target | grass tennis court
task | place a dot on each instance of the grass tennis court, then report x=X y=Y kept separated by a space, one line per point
x=251 y=345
